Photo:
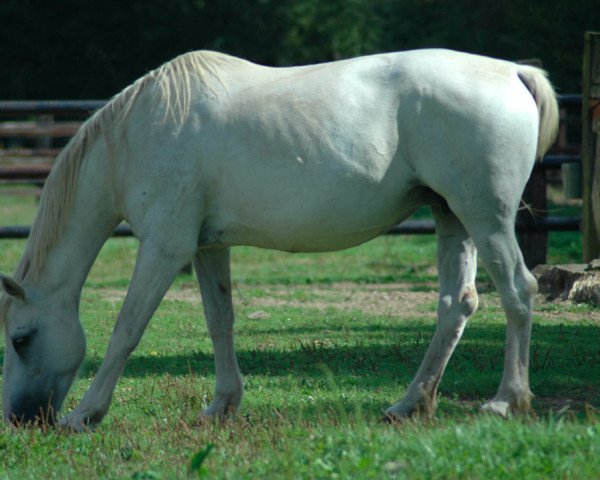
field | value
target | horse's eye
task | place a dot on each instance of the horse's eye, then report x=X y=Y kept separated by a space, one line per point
x=21 y=342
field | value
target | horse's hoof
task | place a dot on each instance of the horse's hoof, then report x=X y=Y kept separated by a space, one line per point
x=498 y=408
x=75 y=423
x=392 y=419
x=397 y=415
x=210 y=416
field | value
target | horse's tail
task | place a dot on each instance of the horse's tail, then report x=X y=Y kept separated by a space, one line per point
x=536 y=81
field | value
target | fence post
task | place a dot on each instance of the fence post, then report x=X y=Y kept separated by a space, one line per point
x=590 y=146
x=534 y=245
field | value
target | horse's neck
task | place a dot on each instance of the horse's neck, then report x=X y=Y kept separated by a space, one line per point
x=89 y=222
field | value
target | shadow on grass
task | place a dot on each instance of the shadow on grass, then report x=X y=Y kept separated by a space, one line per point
x=564 y=360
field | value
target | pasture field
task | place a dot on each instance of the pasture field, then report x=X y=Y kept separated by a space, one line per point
x=326 y=342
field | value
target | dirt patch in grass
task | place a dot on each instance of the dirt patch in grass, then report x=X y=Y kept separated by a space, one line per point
x=372 y=299
x=565 y=311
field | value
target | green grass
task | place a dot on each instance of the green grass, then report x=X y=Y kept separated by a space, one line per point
x=317 y=378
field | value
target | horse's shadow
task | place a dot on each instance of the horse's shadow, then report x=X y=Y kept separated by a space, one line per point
x=564 y=360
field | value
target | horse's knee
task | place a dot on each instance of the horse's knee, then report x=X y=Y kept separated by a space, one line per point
x=465 y=303
x=468 y=300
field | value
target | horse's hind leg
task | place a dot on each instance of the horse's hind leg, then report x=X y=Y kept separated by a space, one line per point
x=457 y=264
x=502 y=258
x=212 y=270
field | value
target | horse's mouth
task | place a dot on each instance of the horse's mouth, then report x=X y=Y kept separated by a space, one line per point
x=32 y=409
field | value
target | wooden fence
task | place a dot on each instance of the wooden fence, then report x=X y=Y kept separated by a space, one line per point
x=590 y=146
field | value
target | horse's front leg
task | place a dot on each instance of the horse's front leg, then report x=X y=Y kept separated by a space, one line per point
x=212 y=269
x=158 y=262
x=457 y=264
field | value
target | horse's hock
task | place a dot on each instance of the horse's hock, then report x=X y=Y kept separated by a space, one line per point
x=579 y=283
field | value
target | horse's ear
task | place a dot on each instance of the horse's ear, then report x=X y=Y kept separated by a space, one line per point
x=13 y=288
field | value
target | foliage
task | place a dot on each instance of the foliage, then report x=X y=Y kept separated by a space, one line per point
x=92 y=49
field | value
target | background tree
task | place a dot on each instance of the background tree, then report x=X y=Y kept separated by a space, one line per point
x=94 y=48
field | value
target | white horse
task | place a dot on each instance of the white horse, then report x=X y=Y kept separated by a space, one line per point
x=210 y=151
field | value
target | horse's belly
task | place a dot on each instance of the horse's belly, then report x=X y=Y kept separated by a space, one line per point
x=302 y=239
x=299 y=238
x=308 y=226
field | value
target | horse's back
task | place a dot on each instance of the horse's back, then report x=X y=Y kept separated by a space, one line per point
x=327 y=156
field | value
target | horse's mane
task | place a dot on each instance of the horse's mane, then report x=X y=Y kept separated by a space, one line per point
x=173 y=85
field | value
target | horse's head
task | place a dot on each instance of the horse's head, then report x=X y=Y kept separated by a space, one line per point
x=44 y=345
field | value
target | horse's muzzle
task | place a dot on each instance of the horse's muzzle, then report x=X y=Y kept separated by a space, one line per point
x=31 y=410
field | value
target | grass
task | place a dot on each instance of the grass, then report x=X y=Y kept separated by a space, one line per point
x=320 y=366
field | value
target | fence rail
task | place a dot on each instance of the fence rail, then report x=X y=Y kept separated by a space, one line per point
x=408 y=227
x=72 y=108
